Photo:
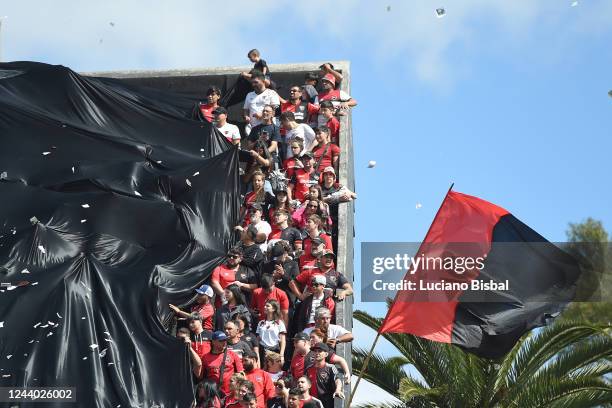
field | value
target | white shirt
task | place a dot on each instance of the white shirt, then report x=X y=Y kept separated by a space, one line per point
x=269 y=332
x=333 y=332
x=316 y=302
x=255 y=103
x=231 y=132
x=302 y=131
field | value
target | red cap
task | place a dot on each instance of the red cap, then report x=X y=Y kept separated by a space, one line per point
x=329 y=78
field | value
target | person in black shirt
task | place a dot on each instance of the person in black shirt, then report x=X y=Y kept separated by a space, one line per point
x=259 y=64
x=283 y=269
x=282 y=393
x=267 y=133
x=325 y=379
x=252 y=256
x=234 y=342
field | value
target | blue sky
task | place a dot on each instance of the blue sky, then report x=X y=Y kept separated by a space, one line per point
x=508 y=100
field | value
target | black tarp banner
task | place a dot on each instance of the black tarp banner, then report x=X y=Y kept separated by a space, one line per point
x=113 y=203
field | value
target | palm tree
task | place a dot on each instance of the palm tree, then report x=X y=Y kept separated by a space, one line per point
x=563 y=365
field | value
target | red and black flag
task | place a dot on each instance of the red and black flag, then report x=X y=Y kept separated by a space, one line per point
x=484 y=279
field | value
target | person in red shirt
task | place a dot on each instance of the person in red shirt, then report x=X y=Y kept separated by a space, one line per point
x=326 y=154
x=264 y=386
x=200 y=339
x=325 y=379
x=340 y=99
x=327 y=118
x=301 y=108
x=313 y=230
x=267 y=291
x=183 y=333
x=304 y=385
x=203 y=307
x=225 y=274
x=309 y=260
x=293 y=163
x=213 y=94
x=302 y=179
x=213 y=362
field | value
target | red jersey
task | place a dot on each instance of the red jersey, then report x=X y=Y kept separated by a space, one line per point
x=304 y=278
x=211 y=366
x=290 y=167
x=207 y=311
x=259 y=299
x=224 y=275
x=327 y=160
x=333 y=95
x=201 y=347
x=300 y=181
x=307 y=243
x=264 y=386
x=334 y=128
x=207 y=111
x=298 y=362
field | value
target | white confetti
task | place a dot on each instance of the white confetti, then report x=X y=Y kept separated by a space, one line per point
x=202 y=150
x=25 y=354
x=83 y=318
x=107 y=333
x=44 y=326
x=110 y=364
x=196 y=173
x=103 y=353
x=371 y=164
x=188 y=182
x=25 y=271
x=6 y=375
x=159 y=162
x=42 y=249
x=85 y=358
x=45 y=153
x=51 y=323
x=37 y=324
x=58 y=315
x=85 y=286
x=31 y=341
x=11 y=287
x=440 y=12
x=1 y=324
x=72 y=169
x=49 y=334
x=8 y=357
x=84 y=220
x=418 y=205
x=85 y=205
x=34 y=284
x=137 y=193
x=93 y=346
x=109 y=340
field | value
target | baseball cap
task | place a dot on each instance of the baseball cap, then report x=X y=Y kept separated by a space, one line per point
x=329 y=169
x=317 y=241
x=219 y=336
x=205 y=290
x=308 y=154
x=321 y=346
x=301 y=336
x=220 y=110
x=327 y=252
x=329 y=78
x=277 y=251
x=320 y=279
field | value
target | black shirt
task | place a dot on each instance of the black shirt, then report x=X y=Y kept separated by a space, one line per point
x=273 y=134
x=276 y=402
x=291 y=271
x=239 y=348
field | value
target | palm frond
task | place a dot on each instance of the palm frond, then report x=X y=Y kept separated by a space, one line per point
x=554 y=390
x=386 y=373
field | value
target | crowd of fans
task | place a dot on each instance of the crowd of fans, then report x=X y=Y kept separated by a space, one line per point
x=261 y=332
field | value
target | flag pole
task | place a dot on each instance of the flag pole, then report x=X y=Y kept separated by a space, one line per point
x=367 y=360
